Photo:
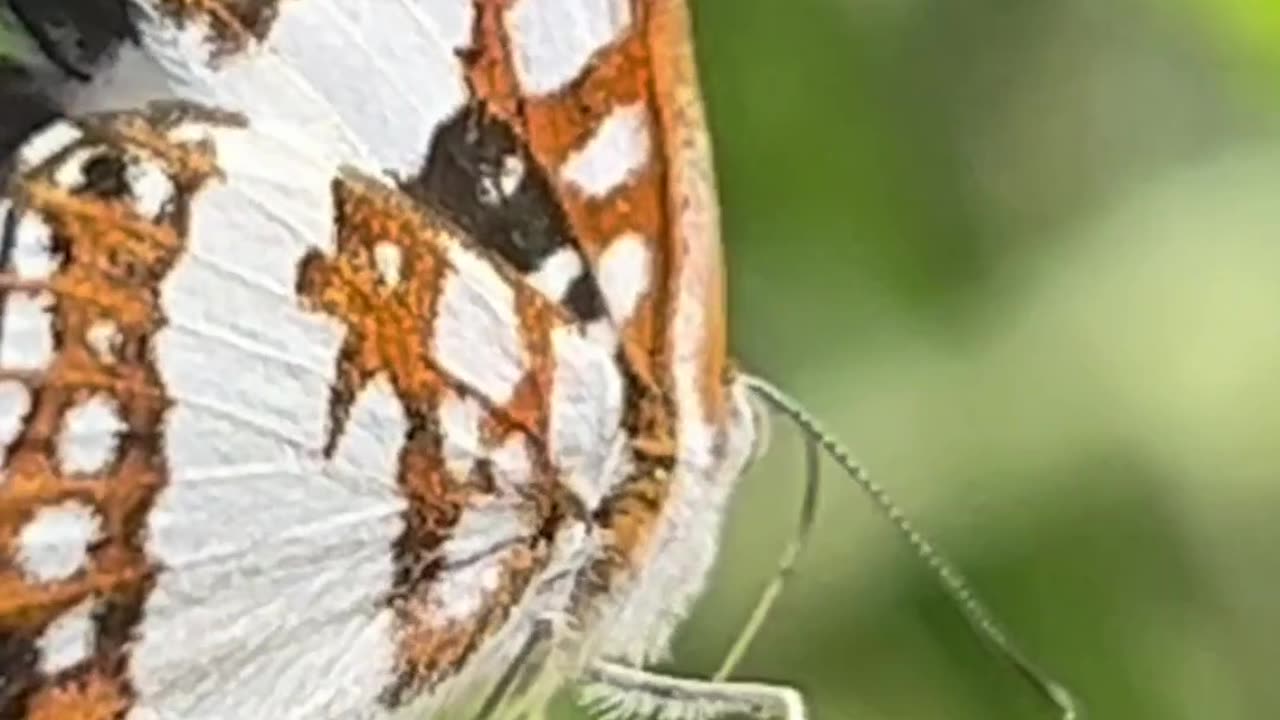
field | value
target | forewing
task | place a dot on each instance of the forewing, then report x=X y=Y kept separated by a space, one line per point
x=616 y=120
x=277 y=442
x=564 y=135
x=617 y=123
x=566 y=138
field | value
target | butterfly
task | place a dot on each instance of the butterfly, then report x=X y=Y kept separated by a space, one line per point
x=365 y=360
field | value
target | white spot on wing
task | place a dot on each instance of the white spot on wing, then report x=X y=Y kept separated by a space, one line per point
x=89 y=435
x=250 y=370
x=475 y=548
x=68 y=639
x=28 y=333
x=511 y=175
x=602 y=332
x=619 y=147
x=460 y=428
x=388 y=258
x=150 y=186
x=511 y=463
x=586 y=409
x=69 y=172
x=15 y=401
x=483 y=527
x=374 y=435
x=482 y=538
x=103 y=338
x=48 y=142
x=552 y=40
x=623 y=274
x=477 y=331
x=33 y=257
x=460 y=419
x=53 y=544
x=556 y=273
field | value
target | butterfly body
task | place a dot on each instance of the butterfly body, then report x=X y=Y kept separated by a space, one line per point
x=326 y=394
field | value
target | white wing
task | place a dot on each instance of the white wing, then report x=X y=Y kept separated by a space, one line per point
x=390 y=83
x=233 y=451
x=627 y=162
x=382 y=74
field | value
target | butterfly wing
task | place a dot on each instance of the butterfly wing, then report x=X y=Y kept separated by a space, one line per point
x=549 y=131
x=279 y=444
x=566 y=138
x=619 y=126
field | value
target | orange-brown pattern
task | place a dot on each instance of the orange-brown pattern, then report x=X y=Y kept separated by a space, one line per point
x=233 y=25
x=388 y=332
x=95 y=696
x=650 y=64
x=556 y=125
x=110 y=261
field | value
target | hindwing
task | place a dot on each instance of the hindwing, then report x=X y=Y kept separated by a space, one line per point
x=272 y=431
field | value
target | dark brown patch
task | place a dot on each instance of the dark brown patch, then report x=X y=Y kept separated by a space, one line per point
x=463 y=176
x=110 y=262
x=233 y=25
x=557 y=124
x=651 y=64
x=388 y=332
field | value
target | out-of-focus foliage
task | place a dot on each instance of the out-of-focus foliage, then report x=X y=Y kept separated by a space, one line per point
x=1250 y=29
x=1025 y=257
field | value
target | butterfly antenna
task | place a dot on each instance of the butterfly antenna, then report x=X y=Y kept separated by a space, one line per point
x=955 y=585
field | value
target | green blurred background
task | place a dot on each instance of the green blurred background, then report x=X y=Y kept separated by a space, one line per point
x=1023 y=256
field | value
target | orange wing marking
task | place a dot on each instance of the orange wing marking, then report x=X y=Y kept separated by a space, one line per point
x=561 y=123
x=384 y=285
x=109 y=263
x=233 y=25
x=555 y=126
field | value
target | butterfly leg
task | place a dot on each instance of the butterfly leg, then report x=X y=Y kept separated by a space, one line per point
x=618 y=691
